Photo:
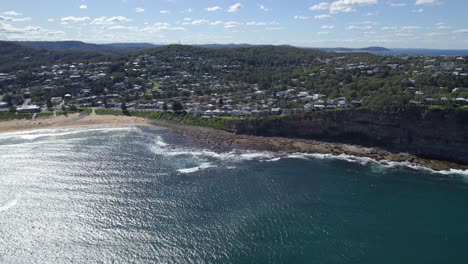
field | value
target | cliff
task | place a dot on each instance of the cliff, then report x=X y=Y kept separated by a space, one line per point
x=428 y=133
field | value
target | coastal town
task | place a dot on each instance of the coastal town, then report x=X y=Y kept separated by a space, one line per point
x=199 y=83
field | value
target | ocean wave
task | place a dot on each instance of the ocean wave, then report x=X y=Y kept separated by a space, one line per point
x=202 y=166
x=8 y=205
x=41 y=133
x=385 y=164
x=162 y=148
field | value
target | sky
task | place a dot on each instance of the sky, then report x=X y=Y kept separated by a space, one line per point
x=435 y=24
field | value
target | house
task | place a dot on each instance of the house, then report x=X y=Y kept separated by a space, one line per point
x=461 y=101
x=3 y=105
x=29 y=109
x=309 y=107
x=429 y=101
x=356 y=103
x=318 y=107
x=216 y=112
x=276 y=111
x=56 y=100
x=236 y=113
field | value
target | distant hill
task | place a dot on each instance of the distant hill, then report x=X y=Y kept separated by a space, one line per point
x=368 y=49
x=11 y=52
x=114 y=48
x=16 y=55
x=221 y=46
x=132 y=45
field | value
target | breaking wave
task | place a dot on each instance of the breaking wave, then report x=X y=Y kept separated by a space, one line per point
x=45 y=133
x=162 y=148
x=8 y=205
x=202 y=166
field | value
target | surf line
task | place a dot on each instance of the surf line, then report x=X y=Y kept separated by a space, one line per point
x=8 y=205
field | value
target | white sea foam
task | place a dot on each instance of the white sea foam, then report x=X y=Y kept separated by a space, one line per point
x=202 y=166
x=35 y=134
x=386 y=164
x=162 y=148
x=8 y=205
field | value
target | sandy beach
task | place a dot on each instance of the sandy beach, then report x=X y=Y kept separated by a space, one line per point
x=219 y=140
x=72 y=120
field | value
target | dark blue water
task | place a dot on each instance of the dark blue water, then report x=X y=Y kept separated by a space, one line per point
x=144 y=196
x=424 y=52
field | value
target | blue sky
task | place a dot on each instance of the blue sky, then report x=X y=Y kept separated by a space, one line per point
x=334 y=23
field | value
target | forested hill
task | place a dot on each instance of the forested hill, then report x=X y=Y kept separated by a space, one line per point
x=259 y=56
x=14 y=56
x=368 y=49
x=17 y=55
x=113 y=48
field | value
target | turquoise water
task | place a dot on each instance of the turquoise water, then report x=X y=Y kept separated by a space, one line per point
x=147 y=196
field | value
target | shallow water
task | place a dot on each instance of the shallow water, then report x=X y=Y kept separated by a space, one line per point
x=139 y=195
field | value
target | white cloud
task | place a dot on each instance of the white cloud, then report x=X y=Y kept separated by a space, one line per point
x=158 y=27
x=461 y=31
x=83 y=7
x=55 y=33
x=215 y=23
x=13 y=19
x=165 y=12
x=323 y=33
x=264 y=8
x=32 y=29
x=231 y=24
x=420 y=10
x=110 y=20
x=75 y=19
x=200 y=22
x=273 y=28
x=29 y=31
x=404 y=28
x=396 y=4
x=328 y=27
x=139 y=9
x=12 y=13
x=322 y=16
x=235 y=7
x=301 y=17
x=255 y=23
x=376 y=13
x=441 y=26
x=321 y=6
x=354 y=27
x=428 y=2
x=50 y=20
x=346 y=6
x=213 y=8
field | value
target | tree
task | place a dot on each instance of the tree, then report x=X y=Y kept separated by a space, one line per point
x=177 y=106
x=8 y=99
x=220 y=102
x=49 y=104
x=165 y=106
x=124 y=109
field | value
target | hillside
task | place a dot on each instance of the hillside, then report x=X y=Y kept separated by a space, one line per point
x=113 y=48
x=14 y=56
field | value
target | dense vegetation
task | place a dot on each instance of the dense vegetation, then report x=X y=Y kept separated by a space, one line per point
x=240 y=73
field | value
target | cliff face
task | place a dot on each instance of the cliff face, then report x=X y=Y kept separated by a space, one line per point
x=436 y=134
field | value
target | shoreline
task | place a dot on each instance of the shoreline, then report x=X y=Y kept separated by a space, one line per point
x=220 y=140
x=72 y=120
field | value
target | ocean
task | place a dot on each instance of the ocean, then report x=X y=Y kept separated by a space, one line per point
x=143 y=195
x=424 y=52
